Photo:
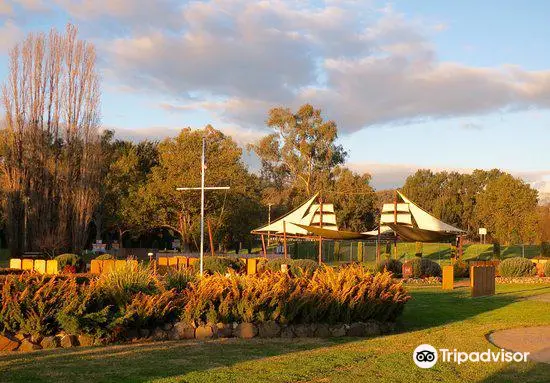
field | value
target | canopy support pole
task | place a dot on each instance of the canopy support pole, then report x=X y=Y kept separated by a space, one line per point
x=321 y=226
x=284 y=239
x=378 y=245
x=263 y=246
x=211 y=239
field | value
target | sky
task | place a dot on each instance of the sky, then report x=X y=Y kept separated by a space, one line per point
x=411 y=84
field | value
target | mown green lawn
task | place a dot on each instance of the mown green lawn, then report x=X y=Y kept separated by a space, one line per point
x=443 y=319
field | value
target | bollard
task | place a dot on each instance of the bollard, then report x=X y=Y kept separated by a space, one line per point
x=448 y=278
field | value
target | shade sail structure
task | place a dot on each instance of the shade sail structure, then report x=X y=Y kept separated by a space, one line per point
x=299 y=221
x=332 y=234
x=412 y=223
x=385 y=231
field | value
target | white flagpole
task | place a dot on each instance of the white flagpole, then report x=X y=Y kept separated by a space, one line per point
x=202 y=205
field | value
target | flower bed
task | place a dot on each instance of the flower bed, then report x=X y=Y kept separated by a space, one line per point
x=533 y=279
x=42 y=312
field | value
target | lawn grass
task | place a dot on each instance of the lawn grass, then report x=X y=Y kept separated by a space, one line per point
x=442 y=319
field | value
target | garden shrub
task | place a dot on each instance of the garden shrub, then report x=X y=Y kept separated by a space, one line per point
x=88 y=310
x=105 y=257
x=275 y=264
x=67 y=259
x=496 y=250
x=220 y=265
x=8 y=271
x=119 y=284
x=546 y=269
x=328 y=296
x=392 y=265
x=131 y=298
x=516 y=267
x=30 y=303
x=148 y=311
x=178 y=278
x=305 y=267
x=461 y=269
x=423 y=267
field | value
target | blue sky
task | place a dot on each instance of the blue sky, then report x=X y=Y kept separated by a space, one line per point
x=412 y=84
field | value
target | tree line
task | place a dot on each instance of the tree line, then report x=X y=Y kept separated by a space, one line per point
x=65 y=182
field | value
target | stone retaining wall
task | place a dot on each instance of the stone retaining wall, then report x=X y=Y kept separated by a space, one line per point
x=182 y=330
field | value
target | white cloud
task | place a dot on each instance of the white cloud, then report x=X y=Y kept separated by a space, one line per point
x=362 y=67
x=10 y=34
x=6 y=9
x=158 y=133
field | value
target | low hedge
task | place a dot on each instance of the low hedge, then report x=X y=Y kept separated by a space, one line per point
x=108 y=307
x=220 y=265
x=546 y=269
x=68 y=262
x=392 y=265
x=516 y=267
x=423 y=267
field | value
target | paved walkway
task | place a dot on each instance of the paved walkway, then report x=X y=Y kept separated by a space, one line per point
x=535 y=340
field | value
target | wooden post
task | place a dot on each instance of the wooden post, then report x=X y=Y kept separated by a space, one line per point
x=321 y=226
x=284 y=239
x=459 y=255
x=211 y=240
x=263 y=246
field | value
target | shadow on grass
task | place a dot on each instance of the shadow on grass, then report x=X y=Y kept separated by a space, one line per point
x=435 y=307
x=147 y=361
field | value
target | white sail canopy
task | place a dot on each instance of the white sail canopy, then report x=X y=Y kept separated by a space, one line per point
x=308 y=214
x=412 y=223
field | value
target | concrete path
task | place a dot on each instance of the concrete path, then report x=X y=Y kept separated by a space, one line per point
x=535 y=340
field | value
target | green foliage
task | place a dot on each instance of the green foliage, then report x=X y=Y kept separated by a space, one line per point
x=303 y=267
x=355 y=200
x=461 y=269
x=67 y=259
x=88 y=310
x=423 y=267
x=121 y=283
x=392 y=265
x=148 y=311
x=516 y=267
x=179 y=278
x=328 y=296
x=111 y=306
x=157 y=203
x=220 y=265
x=545 y=249
x=418 y=247
x=105 y=257
x=298 y=267
x=30 y=303
x=385 y=256
x=505 y=205
x=275 y=263
x=496 y=250
x=546 y=269
x=302 y=151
